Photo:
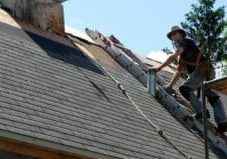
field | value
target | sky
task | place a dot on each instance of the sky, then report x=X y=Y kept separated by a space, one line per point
x=140 y=25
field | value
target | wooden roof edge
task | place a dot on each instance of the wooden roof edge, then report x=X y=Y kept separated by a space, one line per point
x=40 y=148
x=214 y=81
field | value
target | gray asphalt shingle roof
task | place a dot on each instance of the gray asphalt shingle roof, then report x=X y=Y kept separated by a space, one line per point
x=55 y=93
x=189 y=142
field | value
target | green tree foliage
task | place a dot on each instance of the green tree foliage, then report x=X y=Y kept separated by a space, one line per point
x=206 y=26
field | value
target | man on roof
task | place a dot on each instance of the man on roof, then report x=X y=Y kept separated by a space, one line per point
x=199 y=69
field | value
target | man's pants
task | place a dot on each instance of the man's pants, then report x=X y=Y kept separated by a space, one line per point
x=194 y=82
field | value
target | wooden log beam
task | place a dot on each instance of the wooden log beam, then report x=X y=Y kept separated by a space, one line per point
x=35 y=151
x=219 y=85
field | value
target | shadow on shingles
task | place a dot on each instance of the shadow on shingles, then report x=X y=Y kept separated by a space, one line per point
x=100 y=90
x=72 y=56
x=65 y=53
x=61 y=52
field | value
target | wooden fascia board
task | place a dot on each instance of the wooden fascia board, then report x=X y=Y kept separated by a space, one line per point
x=39 y=148
x=34 y=151
x=219 y=85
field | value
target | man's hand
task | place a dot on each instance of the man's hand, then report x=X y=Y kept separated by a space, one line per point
x=169 y=89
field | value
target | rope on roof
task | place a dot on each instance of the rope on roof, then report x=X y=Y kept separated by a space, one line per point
x=130 y=65
x=156 y=127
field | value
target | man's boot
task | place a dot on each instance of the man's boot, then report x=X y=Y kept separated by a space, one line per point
x=222 y=127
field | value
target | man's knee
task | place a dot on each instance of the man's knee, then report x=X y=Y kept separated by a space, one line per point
x=212 y=96
x=184 y=90
x=213 y=99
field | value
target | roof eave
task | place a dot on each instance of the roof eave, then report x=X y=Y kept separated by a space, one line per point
x=44 y=146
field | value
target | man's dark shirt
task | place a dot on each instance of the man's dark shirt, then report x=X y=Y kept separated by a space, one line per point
x=191 y=51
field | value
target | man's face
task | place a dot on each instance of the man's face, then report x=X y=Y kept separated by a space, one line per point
x=176 y=36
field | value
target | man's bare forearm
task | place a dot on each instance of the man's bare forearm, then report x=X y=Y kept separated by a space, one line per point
x=168 y=61
x=175 y=78
x=171 y=58
x=177 y=75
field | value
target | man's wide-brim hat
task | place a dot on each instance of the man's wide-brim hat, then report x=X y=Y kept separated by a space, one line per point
x=175 y=29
